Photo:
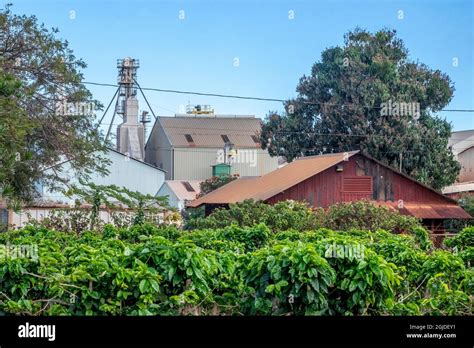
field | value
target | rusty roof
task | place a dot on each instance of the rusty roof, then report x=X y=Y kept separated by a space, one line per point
x=269 y=185
x=266 y=186
x=429 y=210
x=208 y=131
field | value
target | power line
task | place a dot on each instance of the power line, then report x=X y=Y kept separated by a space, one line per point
x=249 y=97
x=193 y=93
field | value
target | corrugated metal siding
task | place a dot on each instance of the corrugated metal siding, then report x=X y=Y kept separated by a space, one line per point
x=158 y=151
x=196 y=163
x=183 y=162
x=320 y=190
x=131 y=174
x=273 y=183
x=325 y=188
x=123 y=172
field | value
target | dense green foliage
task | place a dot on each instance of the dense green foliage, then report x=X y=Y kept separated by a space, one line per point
x=286 y=215
x=466 y=201
x=369 y=95
x=14 y=129
x=46 y=113
x=126 y=208
x=150 y=270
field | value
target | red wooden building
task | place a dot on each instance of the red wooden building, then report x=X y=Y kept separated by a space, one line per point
x=342 y=177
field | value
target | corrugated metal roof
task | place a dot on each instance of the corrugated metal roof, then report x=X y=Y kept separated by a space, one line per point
x=264 y=187
x=461 y=141
x=208 y=131
x=428 y=211
x=459 y=187
x=451 y=212
x=180 y=190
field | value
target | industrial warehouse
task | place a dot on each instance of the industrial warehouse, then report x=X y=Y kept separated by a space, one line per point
x=251 y=172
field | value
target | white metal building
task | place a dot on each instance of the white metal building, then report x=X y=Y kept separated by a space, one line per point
x=187 y=146
x=124 y=171
x=462 y=145
x=179 y=193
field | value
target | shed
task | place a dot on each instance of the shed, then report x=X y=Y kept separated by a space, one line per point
x=340 y=177
x=180 y=192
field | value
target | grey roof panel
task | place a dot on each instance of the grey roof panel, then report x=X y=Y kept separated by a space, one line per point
x=208 y=131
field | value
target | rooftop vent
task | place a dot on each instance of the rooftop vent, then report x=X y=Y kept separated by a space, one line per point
x=189 y=139
x=188 y=186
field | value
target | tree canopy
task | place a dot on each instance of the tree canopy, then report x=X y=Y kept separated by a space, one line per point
x=213 y=183
x=369 y=96
x=46 y=113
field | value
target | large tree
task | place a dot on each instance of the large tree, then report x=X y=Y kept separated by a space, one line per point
x=365 y=95
x=45 y=117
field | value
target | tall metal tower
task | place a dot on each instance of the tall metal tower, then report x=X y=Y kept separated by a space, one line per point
x=131 y=133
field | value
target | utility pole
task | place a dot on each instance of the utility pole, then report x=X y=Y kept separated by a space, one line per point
x=401 y=159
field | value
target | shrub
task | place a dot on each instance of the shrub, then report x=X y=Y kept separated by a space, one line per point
x=443 y=300
x=279 y=217
x=463 y=239
x=286 y=278
x=76 y=220
x=286 y=215
x=444 y=263
x=363 y=215
x=402 y=251
x=364 y=286
x=365 y=281
x=235 y=238
x=149 y=270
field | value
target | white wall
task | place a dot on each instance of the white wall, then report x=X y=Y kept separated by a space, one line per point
x=466 y=159
x=173 y=201
x=23 y=217
x=196 y=163
x=123 y=172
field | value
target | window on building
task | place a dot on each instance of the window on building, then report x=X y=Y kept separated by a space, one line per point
x=225 y=138
x=188 y=186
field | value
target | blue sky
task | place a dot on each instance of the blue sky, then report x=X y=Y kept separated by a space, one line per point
x=198 y=53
